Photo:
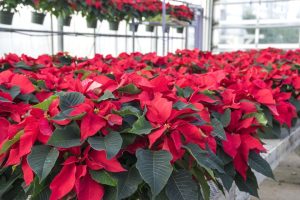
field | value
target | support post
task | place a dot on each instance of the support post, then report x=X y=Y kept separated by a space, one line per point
x=52 y=35
x=133 y=35
x=156 y=39
x=199 y=29
x=95 y=42
x=126 y=38
x=60 y=29
x=164 y=26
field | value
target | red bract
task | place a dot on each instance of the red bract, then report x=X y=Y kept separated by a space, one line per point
x=159 y=110
x=64 y=182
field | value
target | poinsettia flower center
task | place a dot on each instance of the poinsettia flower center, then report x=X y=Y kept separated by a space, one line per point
x=96 y=110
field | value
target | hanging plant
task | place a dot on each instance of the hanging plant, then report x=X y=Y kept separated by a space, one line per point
x=113 y=25
x=41 y=7
x=180 y=30
x=92 y=11
x=182 y=13
x=38 y=18
x=62 y=9
x=7 y=10
x=150 y=28
x=133 y=27
x=114 y=13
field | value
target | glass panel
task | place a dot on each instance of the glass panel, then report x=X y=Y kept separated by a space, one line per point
x=23 y=43
x=245 y=11
x=279 y=35
x=234 y=36
x=79 y=45
x=280 y=10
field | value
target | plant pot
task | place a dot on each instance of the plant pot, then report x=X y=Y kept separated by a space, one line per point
x=150 y=28
x=91 y=23
x=67 y=21
x=37 y=18
x=133 y=27
x=167 y=29
x=6 y=17
x=180 y=29
x=113 y=26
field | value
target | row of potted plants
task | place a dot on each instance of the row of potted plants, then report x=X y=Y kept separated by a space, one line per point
x=113 y=11
x=141 y=126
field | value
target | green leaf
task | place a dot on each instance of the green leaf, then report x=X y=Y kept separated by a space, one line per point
x=187 y=92
x=41 y=84
x=46 y=103
x=42 y=159
x=204 y=158
x=107 y=95
x=203 y=183
x=70 y=99
x=179 y=105
x=103 y=177
x=161 y=196
x=129 y=89
x=155 y=168
x=43 y=195
x=181 y=186
x=84 y=73
x=270 y=132
x=65 y=60
x=128 y=183
x=16 y=192
x=218 y=129
x=269 y=116
x=14 y=91
x=295 y=102
x=260 y=165
x=6 y=146
x=28 y=98
x=4 y=100
x=111 y=143
x=141 y=126
x=23 y=65
x=226 y=117
x=250 y=185
x=128 y=110
x=227 y=177
x=5 y=185
x=260 y=117
x=184 y=92
x=66 y=136
x=41 y=191
x=111 y=193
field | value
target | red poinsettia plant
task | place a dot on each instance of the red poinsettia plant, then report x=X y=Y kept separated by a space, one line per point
x=141 y=125
x=182 y=12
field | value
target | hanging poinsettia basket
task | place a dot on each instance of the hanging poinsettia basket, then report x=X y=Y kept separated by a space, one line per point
x=91 y=23
x=67 y=21
x=6 y=17
x=167 y=29
x=113 y=25
x=150 y=28
x=180 y=30
x=133 y=27
x=38 y=18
